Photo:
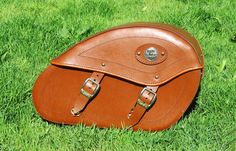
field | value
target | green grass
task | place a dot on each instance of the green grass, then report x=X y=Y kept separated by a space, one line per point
x=32 y=32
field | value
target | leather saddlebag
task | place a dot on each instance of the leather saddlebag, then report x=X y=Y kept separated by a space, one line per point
x=140 y=76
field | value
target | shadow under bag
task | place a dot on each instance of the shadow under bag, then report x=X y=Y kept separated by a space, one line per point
x=139 y=76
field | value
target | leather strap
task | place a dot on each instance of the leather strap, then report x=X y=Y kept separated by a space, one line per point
x=145 y=101
x=88 y=91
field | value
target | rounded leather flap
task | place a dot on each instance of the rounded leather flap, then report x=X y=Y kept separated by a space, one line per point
x=145 y=54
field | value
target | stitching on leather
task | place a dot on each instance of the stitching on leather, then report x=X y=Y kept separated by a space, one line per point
x=160 y=27
x=117 y=64
x=172 y=31
x=154 y=73
x=171 y=110
x=109 y=72
x=87 y=50
x=129 y=78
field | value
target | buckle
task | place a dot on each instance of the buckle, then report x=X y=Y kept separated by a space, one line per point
x=143 y=104
x=85 y=93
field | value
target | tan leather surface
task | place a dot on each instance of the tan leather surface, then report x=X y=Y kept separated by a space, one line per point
x=115 y=47
x=54 y=97
x=119 y=57
x=138 y=111
x=82 y=101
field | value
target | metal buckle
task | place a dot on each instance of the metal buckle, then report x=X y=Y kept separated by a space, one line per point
x=143 y=104
x=85 y=93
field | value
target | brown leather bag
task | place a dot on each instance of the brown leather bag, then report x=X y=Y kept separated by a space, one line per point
x=141 y=76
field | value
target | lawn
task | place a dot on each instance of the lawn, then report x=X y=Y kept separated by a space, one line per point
x=32 y=32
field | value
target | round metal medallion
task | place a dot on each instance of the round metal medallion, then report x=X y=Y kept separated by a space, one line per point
x=151 y=54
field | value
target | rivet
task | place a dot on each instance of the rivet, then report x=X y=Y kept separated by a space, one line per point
x=156 y=77
x=162 y=53
x=139 y=53
x=103 y=64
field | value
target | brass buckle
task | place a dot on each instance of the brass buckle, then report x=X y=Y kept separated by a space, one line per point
x=143 y=104
x=85 y=93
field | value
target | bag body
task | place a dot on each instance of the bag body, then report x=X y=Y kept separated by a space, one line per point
x=141 y=76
